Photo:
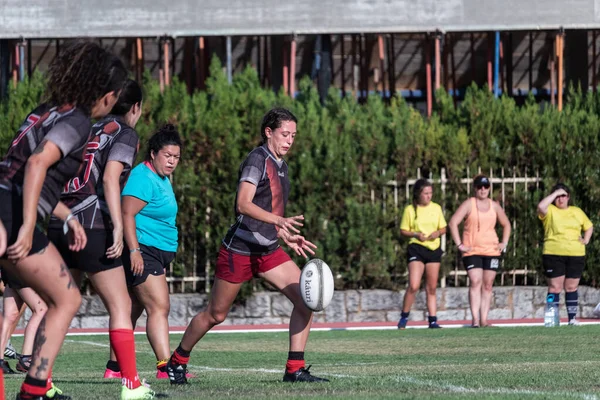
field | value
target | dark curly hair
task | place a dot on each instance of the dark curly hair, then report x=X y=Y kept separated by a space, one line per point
x=166 y=136
x=273 y=119
x=131 y=94
x=82 y=73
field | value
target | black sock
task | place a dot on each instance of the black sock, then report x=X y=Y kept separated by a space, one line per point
x=113 y=366
x=404 y=314
x=296 y=355
x=572 y=302
x=36 y=382
x=182 y=352
x=432 y=320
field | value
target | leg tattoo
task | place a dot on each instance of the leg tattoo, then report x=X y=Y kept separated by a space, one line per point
x=40 y=340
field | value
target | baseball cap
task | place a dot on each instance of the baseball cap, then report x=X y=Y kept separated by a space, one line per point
x=481 y=180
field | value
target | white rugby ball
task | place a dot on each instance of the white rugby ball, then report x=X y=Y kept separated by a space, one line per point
x=316 y=285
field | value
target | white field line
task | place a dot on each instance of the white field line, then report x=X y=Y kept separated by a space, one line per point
x=258 y=329
x=399 y=379
x=462 y=389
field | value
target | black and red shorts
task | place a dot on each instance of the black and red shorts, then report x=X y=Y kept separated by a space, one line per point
x=238 y=268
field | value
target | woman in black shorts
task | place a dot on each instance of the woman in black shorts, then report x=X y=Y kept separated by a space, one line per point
x=84 y=81
x=564 y=246
x=94 y=197
x=423 y=222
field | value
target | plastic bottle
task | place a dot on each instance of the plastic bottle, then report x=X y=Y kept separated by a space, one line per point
x=551 y=317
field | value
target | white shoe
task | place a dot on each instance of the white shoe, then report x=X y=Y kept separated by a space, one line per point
x=574 y=322
x=596 y=312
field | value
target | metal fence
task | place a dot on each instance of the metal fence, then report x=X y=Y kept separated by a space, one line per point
x=505 y=182
x=507 y=178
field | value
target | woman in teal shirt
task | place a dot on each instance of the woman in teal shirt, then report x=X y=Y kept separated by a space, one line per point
x=149 y=213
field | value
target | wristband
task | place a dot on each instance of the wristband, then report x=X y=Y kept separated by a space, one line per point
x=134 y=250
x=66 y=223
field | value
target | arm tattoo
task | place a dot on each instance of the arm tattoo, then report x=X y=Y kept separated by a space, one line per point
x=40 y=147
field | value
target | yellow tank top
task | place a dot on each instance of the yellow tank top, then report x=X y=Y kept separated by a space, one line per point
x=480 y=231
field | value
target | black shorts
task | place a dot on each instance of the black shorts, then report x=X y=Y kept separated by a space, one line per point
x=92 y=258
x=11 y=214
x=487 y=263
x=12 y=281
x=155 y=262
x=416 y=252
x=569 y=266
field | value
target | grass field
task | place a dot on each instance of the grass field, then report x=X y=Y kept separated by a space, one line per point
x=490 y=363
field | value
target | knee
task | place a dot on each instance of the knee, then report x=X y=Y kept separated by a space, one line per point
x=413 y=289
x=430 y=289
x=487 y=287
x=11 y=316
x=216 y=317
x=39 y=310
x=475 y=285
x=159 y=310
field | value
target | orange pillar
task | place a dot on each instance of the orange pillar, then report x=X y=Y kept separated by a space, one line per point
x=293 y=67
x=166 y=60
x=286 y=68
x=438 y=38
x=560 y=47
x=381 y=61
x=139 y=58
x=428 y=76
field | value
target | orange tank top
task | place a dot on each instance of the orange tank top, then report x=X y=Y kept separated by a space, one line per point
x=480 y=231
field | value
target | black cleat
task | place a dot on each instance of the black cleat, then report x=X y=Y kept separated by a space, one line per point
x=24 y=364
x=302 y=375
x=177 y=373
x=10 y=352
x=6 y=368
x=56 y=397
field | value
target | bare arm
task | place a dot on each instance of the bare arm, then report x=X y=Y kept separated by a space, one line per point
x=112 y=195
x=77 y=236
x=3 y=239
x=131 y=207
x=587 y=235
x=457 y=218
x=45 y=155
x=506 y=228
x=543 y=205
x=245 y=206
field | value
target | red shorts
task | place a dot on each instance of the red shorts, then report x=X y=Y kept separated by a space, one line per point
x=238 y=268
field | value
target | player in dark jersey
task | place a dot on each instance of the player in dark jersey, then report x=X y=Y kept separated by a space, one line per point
x=84 y=81
x=251 y=248
x=94 y=197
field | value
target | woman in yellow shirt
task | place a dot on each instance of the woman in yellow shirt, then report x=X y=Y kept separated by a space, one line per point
x=564 y=248
x=480 y=247
x=423 y=222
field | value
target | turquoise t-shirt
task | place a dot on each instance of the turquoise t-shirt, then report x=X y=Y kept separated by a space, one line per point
x=155 y=223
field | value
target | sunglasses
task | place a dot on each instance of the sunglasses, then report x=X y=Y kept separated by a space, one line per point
x=482 y=186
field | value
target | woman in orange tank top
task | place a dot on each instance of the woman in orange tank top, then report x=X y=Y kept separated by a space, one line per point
x=480 y=247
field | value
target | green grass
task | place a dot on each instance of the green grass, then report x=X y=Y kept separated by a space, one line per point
x=494 y=363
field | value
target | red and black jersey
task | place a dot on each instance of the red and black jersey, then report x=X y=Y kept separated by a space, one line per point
x=247 y=235
x=68 y=128
x=111 y=140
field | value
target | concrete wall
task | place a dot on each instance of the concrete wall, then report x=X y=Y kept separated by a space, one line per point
x=354 y=306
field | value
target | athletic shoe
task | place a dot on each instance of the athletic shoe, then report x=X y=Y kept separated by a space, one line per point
x=302 y=375
x=402 y=323
x=110 y=374
x=140 y=393
x=434 y=325
x=56 y=397
x=10 y=352
x=163 y=374
x=6 y=368
x=24 y=364
x=177 y=373
x=574 y=322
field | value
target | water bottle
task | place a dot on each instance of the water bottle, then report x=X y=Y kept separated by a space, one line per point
x=551 y=317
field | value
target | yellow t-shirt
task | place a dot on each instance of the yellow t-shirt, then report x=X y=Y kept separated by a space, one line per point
x=562 y=230
x=428 y=219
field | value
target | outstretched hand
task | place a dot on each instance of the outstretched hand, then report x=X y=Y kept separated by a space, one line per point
x=300 y=245
x=77 y=236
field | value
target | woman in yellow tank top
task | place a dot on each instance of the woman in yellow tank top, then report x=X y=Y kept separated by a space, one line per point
x=564 y=247
x=480 y=247
x=423 y=222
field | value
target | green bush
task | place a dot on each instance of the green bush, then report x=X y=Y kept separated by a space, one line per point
x=345 y=155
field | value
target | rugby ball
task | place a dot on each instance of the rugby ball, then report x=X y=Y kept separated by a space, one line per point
x=316 y=285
